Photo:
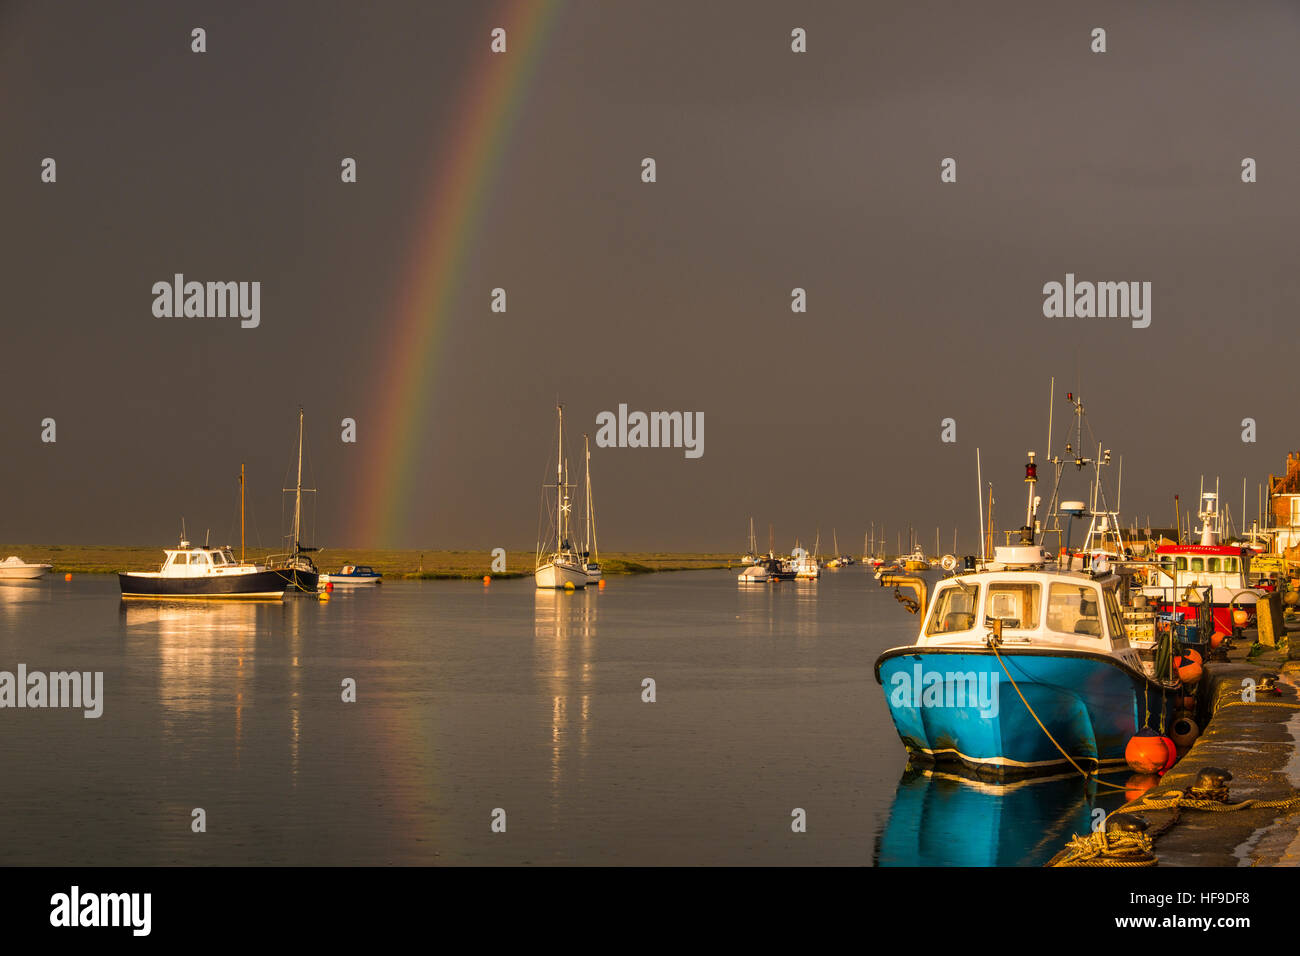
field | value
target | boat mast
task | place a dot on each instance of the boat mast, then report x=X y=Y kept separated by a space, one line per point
x=241 y=512
x=297 y=497
x=559 y=483
x=587 y=540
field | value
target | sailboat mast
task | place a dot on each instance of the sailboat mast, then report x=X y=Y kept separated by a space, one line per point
x=559 y=483
x=586 y=451
x=241 y=512
x=297 y=498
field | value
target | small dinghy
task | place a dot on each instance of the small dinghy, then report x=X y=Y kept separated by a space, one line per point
x=353 y=576
x=14 y=568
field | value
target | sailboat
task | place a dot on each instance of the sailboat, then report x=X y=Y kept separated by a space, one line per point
x=563 y=567
x=590 y=554
x=751 y=556
x=297 y=569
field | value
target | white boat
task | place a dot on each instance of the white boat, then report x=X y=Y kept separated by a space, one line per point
x=754 y=574
x=564 y=567
x=353 y=576
x=806 y=567
x=193 y=572
x=14 y=568
x=751 y=556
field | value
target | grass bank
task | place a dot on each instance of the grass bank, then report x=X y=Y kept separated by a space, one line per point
x=106 y=559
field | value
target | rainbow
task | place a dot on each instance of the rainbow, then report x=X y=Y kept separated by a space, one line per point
x=449 y=224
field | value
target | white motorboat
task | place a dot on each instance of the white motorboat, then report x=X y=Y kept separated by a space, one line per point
x=14 y=568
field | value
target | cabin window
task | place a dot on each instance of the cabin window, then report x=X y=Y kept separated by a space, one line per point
x=218 y=558
x=1180 y=564
x=1115 y=617
x=1015 y=605
x=954 y=610
x=1230 y=565
x=1212 y=565
x=1198 y=564
x=1073 y=609
x=198 y=557
x=180 y=559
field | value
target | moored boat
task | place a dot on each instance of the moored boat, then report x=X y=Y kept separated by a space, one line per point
x=193 y=572
x=565 y=567
x=299 y=572
x=14 y=568
x=1187 y=575
x=353 y=576
x=1021 y=666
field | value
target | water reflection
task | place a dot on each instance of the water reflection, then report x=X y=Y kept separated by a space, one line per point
x=206 y=659
x=944 y=819
x=564 y=633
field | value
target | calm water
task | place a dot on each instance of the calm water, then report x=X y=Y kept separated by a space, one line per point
x=471 y=699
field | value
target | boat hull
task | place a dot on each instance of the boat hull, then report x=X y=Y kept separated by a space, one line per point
x=355 y=581
x=26 y=573
x=551 y=575
x=296 y=579
x=958 y=705
x=258 y=585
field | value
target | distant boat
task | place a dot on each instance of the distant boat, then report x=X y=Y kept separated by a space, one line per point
x=916 y=561
x=755 y=574
x=14 y=568
x=751 y=556
x=297 y=569
x=190 y=572
x=353 y=576
x=590 y=554
x=564 y=567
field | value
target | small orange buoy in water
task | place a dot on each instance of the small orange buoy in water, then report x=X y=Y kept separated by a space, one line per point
x=68 y=576
x=601 y=586
x=487 y=579
x=323 y=596
x=1146 y=752
x=1184 y=732
x=1139 y=784
x=329 y=586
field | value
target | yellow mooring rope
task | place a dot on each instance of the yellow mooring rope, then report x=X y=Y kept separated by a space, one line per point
x=1044 y=728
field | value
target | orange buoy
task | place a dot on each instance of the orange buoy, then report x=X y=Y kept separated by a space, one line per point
x=1189 y=668
x=329 y=586
x=1194 y=654
x=1184 y=732
x=1140 y=783
x=1146 y=752
x=1217 y=639
x=1240 y=617
x=68 y=576
x=601 y=586
x=487 y=579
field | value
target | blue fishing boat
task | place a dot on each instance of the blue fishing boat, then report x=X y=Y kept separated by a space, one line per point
x=1022 y=666
x=353 y=575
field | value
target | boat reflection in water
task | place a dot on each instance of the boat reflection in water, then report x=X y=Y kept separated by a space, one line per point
x=950 y=819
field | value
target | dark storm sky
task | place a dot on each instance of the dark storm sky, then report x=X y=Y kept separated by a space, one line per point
x=775 y=170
